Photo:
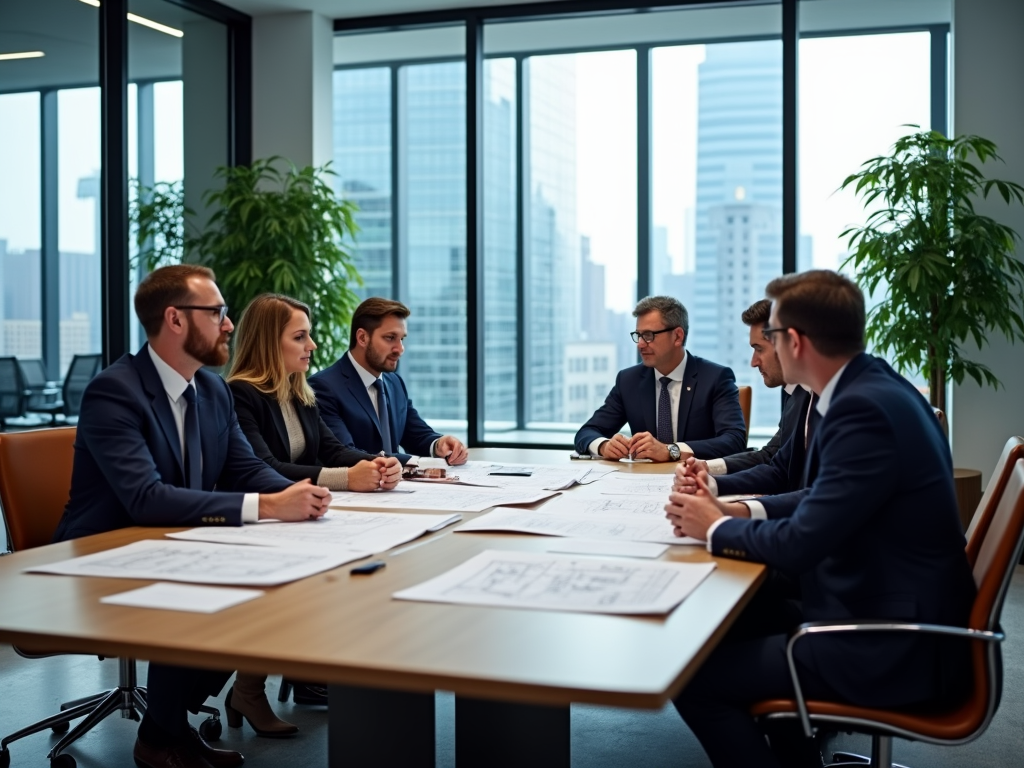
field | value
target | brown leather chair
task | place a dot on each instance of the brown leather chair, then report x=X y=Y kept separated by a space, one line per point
x=998 y=552
x=1012 y=452
x=35 y=482
x=745 y=395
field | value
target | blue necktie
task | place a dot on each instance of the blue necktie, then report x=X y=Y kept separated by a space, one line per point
x=382 y=415
x=193 y=452
x=665 y=413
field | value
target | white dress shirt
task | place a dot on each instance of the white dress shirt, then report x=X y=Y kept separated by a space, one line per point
x=369 y=380
x=175 y=386
x=675 y=391
x=757 y=511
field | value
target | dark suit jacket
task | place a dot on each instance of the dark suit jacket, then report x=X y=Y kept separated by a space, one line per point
x=875 y=536
x=346 y=409
x=128 y=464
x=737 y=462
x=784 y=472
x=261 y=420
x=710 y=418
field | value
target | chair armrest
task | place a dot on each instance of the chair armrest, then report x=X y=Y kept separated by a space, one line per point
x=826 y=627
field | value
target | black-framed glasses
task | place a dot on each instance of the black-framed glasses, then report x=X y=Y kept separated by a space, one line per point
x=767 y=332
x=222 y=309
x=648 y=336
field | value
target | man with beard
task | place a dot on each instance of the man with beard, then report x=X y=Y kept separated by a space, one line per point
x=363 y=400
x=156 y=436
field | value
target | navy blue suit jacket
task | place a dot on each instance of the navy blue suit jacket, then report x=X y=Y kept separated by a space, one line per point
x=710 y=418
x=346 y=409
x=876 y=535
x=128 y=465
x=784 y=472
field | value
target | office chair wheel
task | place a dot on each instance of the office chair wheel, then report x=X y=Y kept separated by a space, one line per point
x=5 y=758
x=63 y=760
x=210 y=729
x=60 y=727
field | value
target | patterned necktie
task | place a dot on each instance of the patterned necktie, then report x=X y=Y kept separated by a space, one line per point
x=382 y=415
x=193 y=452
x=665 y=413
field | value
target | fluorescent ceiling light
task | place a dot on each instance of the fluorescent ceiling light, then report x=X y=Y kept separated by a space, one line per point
x=142 y=20
x=22 y=55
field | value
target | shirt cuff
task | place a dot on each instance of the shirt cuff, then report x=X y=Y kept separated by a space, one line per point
x=251 y=508
x=713 y=486
x=756 y=509
x=597 y=444
x=713 y=527
x=717 y=467
x=433 y=449
x=684 y=449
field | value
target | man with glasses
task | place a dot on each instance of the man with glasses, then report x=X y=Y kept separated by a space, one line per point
x=677 y=405
x=158 y=444
x=874 y=536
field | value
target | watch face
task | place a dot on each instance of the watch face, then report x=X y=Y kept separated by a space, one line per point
x=673 y=452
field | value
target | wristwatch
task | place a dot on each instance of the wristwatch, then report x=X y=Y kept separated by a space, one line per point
x=673 y=452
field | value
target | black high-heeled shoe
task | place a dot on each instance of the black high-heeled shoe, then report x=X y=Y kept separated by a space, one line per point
x=309 y=694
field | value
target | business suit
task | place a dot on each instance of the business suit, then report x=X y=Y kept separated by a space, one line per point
x=348 y=412
x=784 y=472
x=128 y=470
x=710 y=419
x=261 y=420
x=868 y=542
x=794 y=408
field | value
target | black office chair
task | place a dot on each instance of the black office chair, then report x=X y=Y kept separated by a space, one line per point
x=80 y=373
x=12 y=391
x=40 y=391
x=35 y=481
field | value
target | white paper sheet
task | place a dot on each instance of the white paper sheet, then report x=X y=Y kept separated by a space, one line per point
x=625 y=528
x=542 y=478
x=616 y=506
x=202 y=563
x=563 y=583
x=183 y=597
x=344 y=530
x=609 y=548
x=637 y=485
x=442 y=498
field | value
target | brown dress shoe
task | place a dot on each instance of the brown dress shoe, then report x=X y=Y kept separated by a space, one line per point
x=218 y=758
x=173 y=756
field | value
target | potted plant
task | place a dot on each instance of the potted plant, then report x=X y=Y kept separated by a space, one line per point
x=272 y=230
x=948 y=272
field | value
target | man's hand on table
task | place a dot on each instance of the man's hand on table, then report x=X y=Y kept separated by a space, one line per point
x=301 y=501
x=693 y=513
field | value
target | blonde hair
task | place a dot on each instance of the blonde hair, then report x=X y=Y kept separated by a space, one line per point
x=258 y=359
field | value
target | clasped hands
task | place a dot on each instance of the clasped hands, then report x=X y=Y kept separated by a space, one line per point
x=642 y=445
x=692 y=507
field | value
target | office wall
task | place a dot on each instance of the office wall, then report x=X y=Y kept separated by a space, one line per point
x=988 y=100
x=292 y=99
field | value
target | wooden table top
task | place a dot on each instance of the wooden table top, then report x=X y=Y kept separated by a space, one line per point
x=345 y=629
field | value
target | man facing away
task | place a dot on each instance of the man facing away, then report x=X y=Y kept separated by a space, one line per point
x=676 y=404
x=874 y=536
x=366 y=404
x=158 y=444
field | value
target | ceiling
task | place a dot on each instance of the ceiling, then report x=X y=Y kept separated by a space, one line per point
x=340 y=9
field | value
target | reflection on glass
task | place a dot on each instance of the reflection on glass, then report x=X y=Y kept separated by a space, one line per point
x=717 y=201
x=432 y=227
x=362 y=160
x=20 y=234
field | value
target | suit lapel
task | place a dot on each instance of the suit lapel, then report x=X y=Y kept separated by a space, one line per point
x=277 y=417
x=853 y=370
x=649 y=399
x=358 y=391
x=161 y=405
x=687 y=388
x=208 y=429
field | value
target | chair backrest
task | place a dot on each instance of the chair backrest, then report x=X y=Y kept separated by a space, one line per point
x=12 y=388
x=745 y=395
x=80 y=373
x=35 y=482
x=33 y=372
x=1012 y=452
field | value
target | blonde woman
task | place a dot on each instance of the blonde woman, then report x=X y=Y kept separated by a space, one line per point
x=278 y=414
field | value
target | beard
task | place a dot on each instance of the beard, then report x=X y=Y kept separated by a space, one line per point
x=380 y=363
x=212 y=353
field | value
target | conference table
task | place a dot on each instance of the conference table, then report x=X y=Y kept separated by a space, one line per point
x=514 y=672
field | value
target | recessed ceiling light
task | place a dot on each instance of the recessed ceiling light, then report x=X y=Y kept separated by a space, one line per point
x=22 y=55
x=142 y=20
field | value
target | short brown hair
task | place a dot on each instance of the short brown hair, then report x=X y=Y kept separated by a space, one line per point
x=823 y=305
x=258 y=359
x=757 y=313
x=672 y=312
x=371 y=313
x=163 y=288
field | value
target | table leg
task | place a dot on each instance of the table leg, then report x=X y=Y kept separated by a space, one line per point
x=386 y=729
x=492 y=734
